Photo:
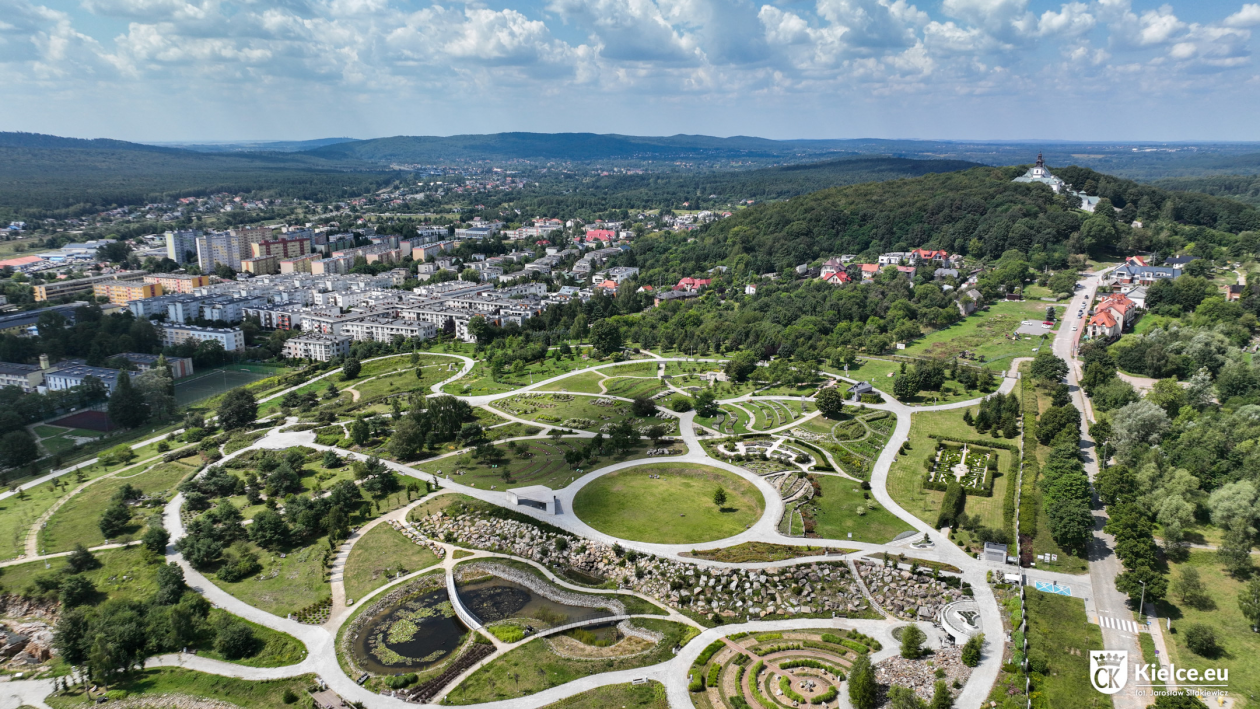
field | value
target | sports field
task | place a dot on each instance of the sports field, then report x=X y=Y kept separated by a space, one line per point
x=213 y=382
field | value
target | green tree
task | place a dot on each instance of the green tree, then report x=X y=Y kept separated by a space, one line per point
x=578 y=330
x=1048 y=368
x=912 y=638
x=114 y=519
x=351 y=368
x=830 y=402
x=1188 y=586
x=170 y=585
x=269 y=530
x=972 y=650
x=156 y=538
x=740 y=365
x=643 y=407
x=941 y=697
x=606 y=337
x=81 y=560
x=238 y=409
x=1201 y=640
x=76 y=590
x=719 y=497
x=234 y=639
x=705 y=403
x=127 y=406
x=1249 y=602
x=360 y=431
x=17 y=448
x=862 y=689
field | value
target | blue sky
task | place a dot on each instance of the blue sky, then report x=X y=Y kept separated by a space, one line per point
x=168 y=70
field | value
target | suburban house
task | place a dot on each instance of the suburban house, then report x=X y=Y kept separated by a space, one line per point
x=1233 y=292
x=894 y=258
x=833 y=265
x=1131 y=273
x=838 y=278
x=869 y=270
x=750 y=289
x=692 y=284
x=1121 y=306
x=1178 y=261
x=1104 y=325
x=926 y=257
x=674 y=295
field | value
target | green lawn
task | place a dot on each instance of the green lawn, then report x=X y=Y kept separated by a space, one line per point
x=837 y=514
x=1061 y=636
x=575 y=411
x=278 y=649
x=587 y=382
x=284 y=585
x=266 y=694
x=479 y=381
x=382 y=552
x=649 y=695
x=678 y=508
x=400 y=382
x=1220 y=613
x=986 y=332
x=631 y=387
x=76 y=522
x=905 y=478
x=533 y=667
x=123 y=574
x=543 y=464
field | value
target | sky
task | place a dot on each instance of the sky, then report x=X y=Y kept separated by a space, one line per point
x=186 y=70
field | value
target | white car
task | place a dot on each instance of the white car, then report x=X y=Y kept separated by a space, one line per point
x=1075 y=328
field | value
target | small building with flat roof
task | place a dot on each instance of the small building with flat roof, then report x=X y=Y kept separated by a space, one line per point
x=540 y=497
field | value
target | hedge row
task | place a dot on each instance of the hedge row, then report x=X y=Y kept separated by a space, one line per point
x=1028 y=486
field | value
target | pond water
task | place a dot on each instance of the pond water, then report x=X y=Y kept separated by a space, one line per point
x=409 y=635
x=499 y=599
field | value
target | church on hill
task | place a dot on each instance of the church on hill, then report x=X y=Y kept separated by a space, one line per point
x=1041 y=173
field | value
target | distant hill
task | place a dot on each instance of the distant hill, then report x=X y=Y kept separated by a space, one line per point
x=571 y=146
x=44 y=175
x=266 y=146
x=1244 y=188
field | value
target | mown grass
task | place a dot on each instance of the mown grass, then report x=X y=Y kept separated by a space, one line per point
x=985 y=332
x=677 y=508
x=649 y=695
x=381 y=552
x=905 y=477
x=1061 y=636
x=1219 y=611
x=837 y=515
x=77 y=521
x=533 y=667
x=284 y=585
x=266 y=694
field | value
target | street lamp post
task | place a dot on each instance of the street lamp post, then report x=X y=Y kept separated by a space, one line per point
x=1142 y=603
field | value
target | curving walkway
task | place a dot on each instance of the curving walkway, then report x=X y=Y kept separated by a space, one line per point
x=319 y=640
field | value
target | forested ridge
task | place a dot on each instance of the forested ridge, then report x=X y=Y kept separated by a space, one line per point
x=977 y=212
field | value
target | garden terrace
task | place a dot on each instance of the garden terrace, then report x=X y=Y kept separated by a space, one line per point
x=481 y=380
x=854 y=440
x=543 y=663
x=969 y=465
x=906 y=482
x=779 y=669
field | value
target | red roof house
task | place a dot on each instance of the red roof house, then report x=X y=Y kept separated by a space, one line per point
x=693 y=283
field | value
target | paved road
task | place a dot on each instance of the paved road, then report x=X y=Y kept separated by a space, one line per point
x=1103 y=564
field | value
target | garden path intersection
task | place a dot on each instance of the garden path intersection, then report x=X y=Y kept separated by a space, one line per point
x=320 y=640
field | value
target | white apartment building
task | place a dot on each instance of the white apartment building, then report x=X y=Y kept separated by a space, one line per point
x=317 y=347
x=385 y=329
x=232 y=339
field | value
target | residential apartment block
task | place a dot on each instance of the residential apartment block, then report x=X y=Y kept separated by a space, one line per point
x=232 y=339
x=317 y=347
x=123 y=291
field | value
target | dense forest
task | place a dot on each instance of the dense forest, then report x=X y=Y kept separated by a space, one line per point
x=1244 y=188
x=44 y=176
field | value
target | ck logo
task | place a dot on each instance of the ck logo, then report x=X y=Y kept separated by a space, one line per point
x=1108 y=670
